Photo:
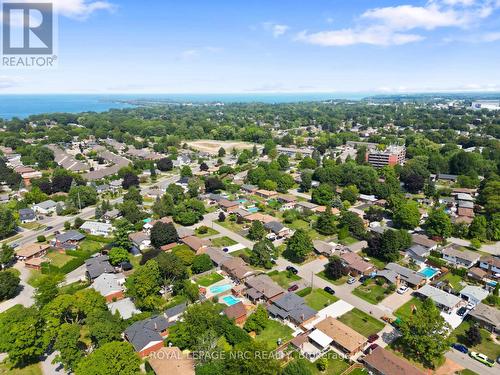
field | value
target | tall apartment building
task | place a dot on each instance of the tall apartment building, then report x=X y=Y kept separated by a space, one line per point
x=392 y=155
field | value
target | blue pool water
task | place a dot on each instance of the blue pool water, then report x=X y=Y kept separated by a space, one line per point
x=230 y=300
x=429 y=272
x=252 y=209
x=242 y=200
x=220 y=288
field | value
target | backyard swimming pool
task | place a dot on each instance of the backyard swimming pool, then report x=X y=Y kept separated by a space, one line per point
x=429 y=272
x=252 y=209
x=230 y=300
x=217 y=289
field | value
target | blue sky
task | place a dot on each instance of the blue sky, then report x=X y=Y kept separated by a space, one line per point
x=187 y=46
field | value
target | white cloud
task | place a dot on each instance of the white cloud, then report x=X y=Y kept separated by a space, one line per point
x=276 y=29
x=7 y=82
x=194 y=53
x=379 y=36
x=81 y=9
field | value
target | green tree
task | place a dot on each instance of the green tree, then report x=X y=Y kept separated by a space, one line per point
x=111 y=358
x=305 y=181
x=299 y=246
x=131 y=212
x=263 y=252
x=283 y=162
x=256 y=231
x=9 y=284
x=335 y=269
x=424 y=334
x=7 y=222
x=164 y=206
x=201 y=263
x=477 y=228
x=103 y=327
x=438 y=224
x=69 y=347
x=258 y=321
x=473 y=335
x=353 y=223
x=222 y=152
x=297 y=367
x=82 y=196
x=186 y=171
x=350 y=193
x=122 y=229
x=171 y=267
x=118 y=255
x=323 y=195
x=144 y=282
x=6 y=255
x=406 y=215
x=133 y=194
x=163 y=234
x=47 y=289
x=308 y=163
x=326 y=222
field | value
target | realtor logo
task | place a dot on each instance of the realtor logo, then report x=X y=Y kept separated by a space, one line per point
x=27 y=28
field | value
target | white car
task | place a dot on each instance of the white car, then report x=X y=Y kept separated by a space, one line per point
x=351 y=280
x=403 y=289
x=470 y=306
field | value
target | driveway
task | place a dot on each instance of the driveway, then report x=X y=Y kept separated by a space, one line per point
x=25 y=296
x=467 y=362
x=395 y=300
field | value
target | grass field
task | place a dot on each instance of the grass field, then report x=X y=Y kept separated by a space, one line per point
x=91 y=246
x=34 y=369
x=375 y=261
x=209 y=232
x=223 y=241
x=59 y=259
x=209 y=279
x=361 y=322
x=487 y=345
x=319 y=299
x=273 y=332
x=340 y=281
x=372 y=292
x=231 y=225
x=405 y=311
x=283 y=278
x=454 y=281
x=336 y=365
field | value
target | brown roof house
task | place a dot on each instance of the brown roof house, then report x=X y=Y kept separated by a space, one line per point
x=237 y=268
x=238 y=312
x=196 y=244
x=491 y=264
x=33 y=250
x=488 y=317
x=383 y=362
x=342 y=336
x=171 y=361
x=356 y=264
x=262 y=287
x=229 y=206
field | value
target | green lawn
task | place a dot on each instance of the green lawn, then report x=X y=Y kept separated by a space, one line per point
x=336 y=365
x=375 y=261
x=209 y=279
x=358 y=371
x=246 y=251
x=91 y=246
x=467 y=372
x=405 y=311
x=223 y=241
x=340 y=281
x=32 y=226
x=283 y=278
x=487 y=346
x=273 y=332
x=348 y=240
x=372 y=292
x=34 y=369
x=319 y=299
x=59 y=259
x=361 y=322
x=454 y=281
x=209 y=232
x=231 y=225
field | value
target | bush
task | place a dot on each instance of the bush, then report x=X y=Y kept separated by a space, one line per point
x=41 y=238
x=203 y=229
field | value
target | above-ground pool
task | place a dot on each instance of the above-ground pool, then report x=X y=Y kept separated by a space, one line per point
x=429 y=272
x=253 y=209
x=230 y=300
x=217 y=289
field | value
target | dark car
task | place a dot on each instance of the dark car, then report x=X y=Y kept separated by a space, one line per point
x=49 y=228
x=126 y=266
x=293 y=288
x=292 y=270
x=460 y=348
x=329 y=290
x=371 y=348
x=362 y=279
x=461 y=311
x=225 y=249
x=373 y=338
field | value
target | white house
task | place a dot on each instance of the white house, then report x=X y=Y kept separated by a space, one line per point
x=45 y=207
x=460 y=258
x=474 y=294
x=97 y=228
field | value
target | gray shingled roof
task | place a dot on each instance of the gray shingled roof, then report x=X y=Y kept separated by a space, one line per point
x=143 y=332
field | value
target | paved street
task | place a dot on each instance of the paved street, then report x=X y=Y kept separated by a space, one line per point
x=467 y=362
x=25 y=297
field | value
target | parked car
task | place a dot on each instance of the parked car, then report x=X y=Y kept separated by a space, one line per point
x=371 y=348
x=402 y=289
x=480 y=357
x=225 y=249
x=470 y=306
x=461 y=311
x=329 y=290
x=362 y=279
x=293 y=288
x=292 y=270
x=126 y=266
x=460 y=347
x=373 y=338
x=351 y=280
x=14 y=245
x=49 y=228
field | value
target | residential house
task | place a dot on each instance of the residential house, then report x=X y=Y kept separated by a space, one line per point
x=125 y=307
x=304 y=206
x=476 y=273
x=277 y=229
x=109 y=285
x=251 y=189
x=45 y=207
x=418 y=254
x=217 y=256
x=33 y=250
x=196 y=244
x=111 y=215
x=424 y=241
x=97 y=228
x=34 y=263
x=262 y=287
x=384 y=362
x=396 y=274
x=491 y=264
x=140 y=239
x=184 y=232
x=228 y=206
x=287 y=202
x=266 y=194
x=324 y=248
x=236 y=312
x=341 y=336
x=96 y=266
x=459 y=257
x=356 y=265
x=263 y=218
x=474 y=294
x=292 y=308
x=171 y=361
x=174 y=313
x=150 y=224
x=236 y=268
x=146 y=336
x=68 y=240
x=445 y=301
x=488 y=317
x=27 y=215
x=447 y=177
